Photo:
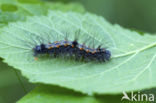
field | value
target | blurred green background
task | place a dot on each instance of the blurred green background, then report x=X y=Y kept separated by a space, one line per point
x=134 y=14
x=10 y=86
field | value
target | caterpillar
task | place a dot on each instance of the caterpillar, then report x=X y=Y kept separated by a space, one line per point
x=73 y=49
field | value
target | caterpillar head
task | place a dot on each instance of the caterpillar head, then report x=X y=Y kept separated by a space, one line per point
x=106 y=53
x=39 y=49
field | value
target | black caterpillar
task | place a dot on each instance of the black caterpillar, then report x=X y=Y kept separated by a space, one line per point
x=73 y=49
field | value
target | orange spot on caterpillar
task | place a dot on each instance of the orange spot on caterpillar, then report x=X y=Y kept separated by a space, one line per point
x=93 y=52
x=87 y=51
x=50 y=47
x=58 y=46
x=72 y=46
x=65 y=44
x=35 y=58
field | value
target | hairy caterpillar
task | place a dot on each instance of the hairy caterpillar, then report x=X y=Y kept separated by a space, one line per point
x=73 y=49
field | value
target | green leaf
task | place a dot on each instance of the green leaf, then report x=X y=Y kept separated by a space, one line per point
x=132 y=66
x=12 y=10
x=48 y=94
x=52 y=94
x=18 y=10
